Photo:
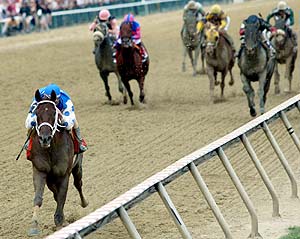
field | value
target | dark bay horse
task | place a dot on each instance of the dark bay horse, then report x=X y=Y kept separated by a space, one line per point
x=104 y=59
x=285 y=54
x=52 y=156
x=130 y=63
x=219 y=58
x=192 y=42
x=255 y=65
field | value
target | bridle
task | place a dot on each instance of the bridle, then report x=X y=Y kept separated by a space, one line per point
x=55 y=124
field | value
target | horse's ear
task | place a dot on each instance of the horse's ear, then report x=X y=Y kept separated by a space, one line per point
x=37 y=95
x=53 y=96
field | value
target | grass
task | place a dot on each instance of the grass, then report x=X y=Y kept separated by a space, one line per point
x=294 y=233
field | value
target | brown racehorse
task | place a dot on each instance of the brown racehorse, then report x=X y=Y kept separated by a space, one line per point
x=52 y=156
x=129 y=62
x=219 y=58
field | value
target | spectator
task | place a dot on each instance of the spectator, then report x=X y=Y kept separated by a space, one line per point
x=26 y=17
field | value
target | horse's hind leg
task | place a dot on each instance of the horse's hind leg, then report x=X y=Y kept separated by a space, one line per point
x=202 y=71
x=190 y=52
x=77 y=175
x=39 y=181
x=289 y=73
x=104 y=76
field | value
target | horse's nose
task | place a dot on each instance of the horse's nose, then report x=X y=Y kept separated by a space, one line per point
x=45 y=139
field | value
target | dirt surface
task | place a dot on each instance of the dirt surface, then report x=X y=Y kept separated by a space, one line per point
x=129 y=144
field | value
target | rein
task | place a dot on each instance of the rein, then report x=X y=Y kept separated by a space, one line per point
x=52 y=127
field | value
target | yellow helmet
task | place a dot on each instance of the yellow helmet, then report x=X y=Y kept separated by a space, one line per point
x=215 y=9
x=282 y=5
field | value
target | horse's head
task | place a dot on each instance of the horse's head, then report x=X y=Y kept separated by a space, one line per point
x=212 y=37
x=280 y=37
x=190 y=23
x=126 y=34
x=47 y=118
x=100 y=33
x=252 y=36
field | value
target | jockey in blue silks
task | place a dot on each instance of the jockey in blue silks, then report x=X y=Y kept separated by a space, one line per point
x=66 y=107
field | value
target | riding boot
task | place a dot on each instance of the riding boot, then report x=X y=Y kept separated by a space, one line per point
x=272 y=51
x=143 y=52
x=82 y=144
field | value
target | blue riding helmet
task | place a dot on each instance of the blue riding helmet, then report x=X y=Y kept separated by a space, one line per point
x=46 y=91
x=252 y=19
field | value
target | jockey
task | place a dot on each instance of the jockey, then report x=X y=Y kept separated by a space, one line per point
x=194 y=7
x=104 y=16
x=136 y=36
x=219 y=18
x=285 y=12
x=111 y=21
x=264 y=28
x=66 y=107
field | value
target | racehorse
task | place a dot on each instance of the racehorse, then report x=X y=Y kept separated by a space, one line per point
x=130 y=63
x=192 y=42
x=285 y=54
x=52 y=156
x=219 y=58
x=255 y=65
x=104 y=59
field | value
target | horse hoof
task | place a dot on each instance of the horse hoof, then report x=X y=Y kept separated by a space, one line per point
x=33 y=232
x=253 y=112
x=84 y=203
x=217 y=82
x=125 y=100
x=231 y=83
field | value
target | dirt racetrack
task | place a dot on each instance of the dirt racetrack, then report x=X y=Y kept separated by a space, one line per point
x=129 y=144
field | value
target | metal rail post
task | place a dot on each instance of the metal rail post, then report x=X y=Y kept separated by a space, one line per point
x=210 y=200
x=262 y=174
x=242 y=192
x=173 y=212
x=282 y=159
x=128 y=223
x=290 y=129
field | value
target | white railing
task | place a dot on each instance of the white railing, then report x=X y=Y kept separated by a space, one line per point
x=118 y=207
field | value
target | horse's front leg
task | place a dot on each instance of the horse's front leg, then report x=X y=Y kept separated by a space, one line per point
x=122 y=89
x=141 y=86
x=127 y=86
x=211 y=77
x=197 y=52
x=247 y=88
x=104 y=76
x=289 y=74
x=261 y=91
x=77 y=175
x=202 y=71
x=190 y=52
x=222 y=85
x=184 y=58
x=62 y=188
x=276 y=79
x=39 y=181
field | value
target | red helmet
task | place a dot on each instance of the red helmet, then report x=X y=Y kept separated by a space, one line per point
x=104 y=15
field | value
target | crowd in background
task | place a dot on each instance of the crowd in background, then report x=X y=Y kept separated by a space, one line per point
x=35 y=15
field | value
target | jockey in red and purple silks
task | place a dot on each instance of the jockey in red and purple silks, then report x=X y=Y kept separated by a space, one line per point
x=136 y=35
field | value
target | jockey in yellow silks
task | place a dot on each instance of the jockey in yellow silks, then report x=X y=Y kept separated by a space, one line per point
x=219 y=18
